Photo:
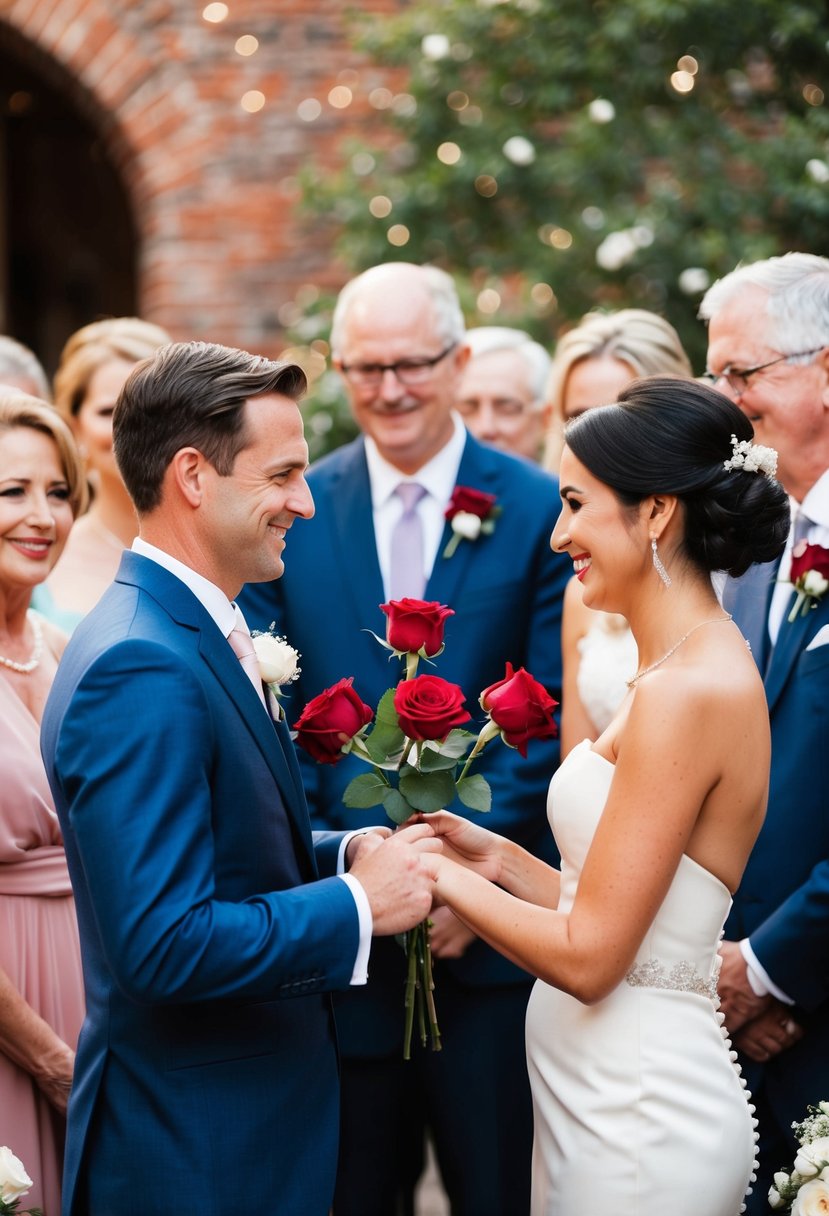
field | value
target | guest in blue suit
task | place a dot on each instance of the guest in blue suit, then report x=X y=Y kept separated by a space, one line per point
x=398 y=340
x=206 y=1075
x=769 y=351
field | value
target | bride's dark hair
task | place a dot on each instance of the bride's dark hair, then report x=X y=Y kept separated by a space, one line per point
x=668 y=436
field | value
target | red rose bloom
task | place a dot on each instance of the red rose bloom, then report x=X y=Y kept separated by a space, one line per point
x=416 y=624
x=328 y=720
x=809 y=557
x=521 y=708
x=475 y=502
x=429 y=707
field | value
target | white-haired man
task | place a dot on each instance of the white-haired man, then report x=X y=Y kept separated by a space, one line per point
x=501 y=394
x=769 y=351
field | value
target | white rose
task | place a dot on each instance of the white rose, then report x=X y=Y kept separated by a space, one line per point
x=812 y=1199
x=824 y=1107
x=811 y=1158
x=467 y=525
x=814 y=583
x=775 y=1200
x=14 y=1181
x=278 y=662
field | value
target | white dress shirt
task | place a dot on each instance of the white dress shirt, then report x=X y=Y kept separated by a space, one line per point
x=224 y=613
x=438 y=478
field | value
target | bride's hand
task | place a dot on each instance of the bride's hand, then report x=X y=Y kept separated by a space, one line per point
x=469 y=845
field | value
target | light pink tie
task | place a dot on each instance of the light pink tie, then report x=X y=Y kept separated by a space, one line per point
x=242 y=645
x=406 y=575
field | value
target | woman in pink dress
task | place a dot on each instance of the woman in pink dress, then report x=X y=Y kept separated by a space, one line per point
x=41 y=990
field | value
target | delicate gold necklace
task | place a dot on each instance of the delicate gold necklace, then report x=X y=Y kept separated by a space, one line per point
x=714 y=620
x=26 y=669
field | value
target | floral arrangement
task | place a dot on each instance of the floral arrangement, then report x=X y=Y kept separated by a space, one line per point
x=471 y=513
x=14 y=1184
x=805 y=1191
x=419 y=752
x=278 y=661
x=809 y=575
x=751 y=457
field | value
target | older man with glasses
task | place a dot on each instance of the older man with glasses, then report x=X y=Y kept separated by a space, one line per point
x=380 y=532
x=769 y=351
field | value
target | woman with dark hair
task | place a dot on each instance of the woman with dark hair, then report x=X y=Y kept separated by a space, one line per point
x=638 y=1108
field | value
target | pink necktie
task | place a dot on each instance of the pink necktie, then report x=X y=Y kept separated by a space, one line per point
x=406 y=576
x=242 y=645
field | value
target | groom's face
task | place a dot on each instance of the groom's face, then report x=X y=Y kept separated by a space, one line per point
x=246 y=515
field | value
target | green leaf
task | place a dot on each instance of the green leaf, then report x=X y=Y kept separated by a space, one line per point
x=385 y=744
x=368 y=789
x=386 y=713
x=396 y=806
x=456 y=743
x=427 y=791
x=432 y=761
x=475 y=793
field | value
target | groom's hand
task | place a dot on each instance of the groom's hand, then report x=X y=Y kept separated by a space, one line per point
x=396 y=878
x=738 y=1000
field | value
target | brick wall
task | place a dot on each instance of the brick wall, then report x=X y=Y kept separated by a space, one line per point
x=222 y=251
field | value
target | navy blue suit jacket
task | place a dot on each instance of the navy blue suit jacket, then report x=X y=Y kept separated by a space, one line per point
x=206 y=1075
x=782 y=904
x=506 y=590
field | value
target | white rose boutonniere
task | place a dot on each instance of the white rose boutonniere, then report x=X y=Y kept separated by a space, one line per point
x=278 y=661
x=14 y=1183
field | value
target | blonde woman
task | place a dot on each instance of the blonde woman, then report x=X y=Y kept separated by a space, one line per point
x=42 y=489
x=593 y=363
x=93 y=366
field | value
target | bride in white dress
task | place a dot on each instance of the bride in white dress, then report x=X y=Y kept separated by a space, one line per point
x=639 y=1110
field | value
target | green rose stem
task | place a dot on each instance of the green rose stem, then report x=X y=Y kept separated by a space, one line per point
x=412 y=660
x=487 y=732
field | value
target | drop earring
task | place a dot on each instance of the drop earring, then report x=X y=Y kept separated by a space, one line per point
x=658 y=564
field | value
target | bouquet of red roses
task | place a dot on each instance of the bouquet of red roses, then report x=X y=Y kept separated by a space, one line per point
x=419 y=751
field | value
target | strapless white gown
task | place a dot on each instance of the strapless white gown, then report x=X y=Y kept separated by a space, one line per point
x=639 y=1108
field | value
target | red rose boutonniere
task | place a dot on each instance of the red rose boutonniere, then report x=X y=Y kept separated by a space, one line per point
x=809 y=575
x=419 y=752
x=472 y=513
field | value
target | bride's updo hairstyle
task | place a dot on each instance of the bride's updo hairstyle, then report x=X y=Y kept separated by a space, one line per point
x=668 y=436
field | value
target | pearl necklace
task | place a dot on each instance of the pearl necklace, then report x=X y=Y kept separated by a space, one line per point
x=26 y=669
x=714 y=620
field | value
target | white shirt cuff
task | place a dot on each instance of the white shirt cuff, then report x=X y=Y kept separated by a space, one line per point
x=758 y=977
x=365 y=921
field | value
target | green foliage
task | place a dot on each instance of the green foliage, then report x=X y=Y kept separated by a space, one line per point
x=727 y=163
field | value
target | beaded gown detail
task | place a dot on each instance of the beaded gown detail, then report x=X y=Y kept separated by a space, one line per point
x=639 y=1108
x=39 y=949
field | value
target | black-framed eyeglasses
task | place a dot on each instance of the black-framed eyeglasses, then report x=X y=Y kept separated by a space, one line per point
x=737 y=377
x=407 y=371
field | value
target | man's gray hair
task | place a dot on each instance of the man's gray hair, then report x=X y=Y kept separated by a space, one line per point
x=449 y=322
x=488 y=339
x=19 y=364
x=798 y=297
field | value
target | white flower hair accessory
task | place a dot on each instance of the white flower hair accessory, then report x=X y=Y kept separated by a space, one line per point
x=751 y=457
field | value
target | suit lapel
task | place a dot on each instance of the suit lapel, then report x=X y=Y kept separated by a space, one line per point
x=478 y=472
x=185 y=609
x=791 y=641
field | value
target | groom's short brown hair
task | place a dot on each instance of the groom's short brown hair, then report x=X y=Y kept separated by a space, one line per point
x=190 y=394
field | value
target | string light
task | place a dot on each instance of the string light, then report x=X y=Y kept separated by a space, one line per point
x=340 y=97
x=398 y=234
x=214 y=13
x=380 y=206
x=247 y=45
x=449 y=153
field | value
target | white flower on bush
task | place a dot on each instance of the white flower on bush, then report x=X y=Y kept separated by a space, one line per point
x=812 y=1158
x=467 y=525
x=14 y=1181
x=278 y=661
x=812 y=1199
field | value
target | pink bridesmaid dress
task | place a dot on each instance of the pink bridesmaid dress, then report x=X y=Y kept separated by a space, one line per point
x=39 y=948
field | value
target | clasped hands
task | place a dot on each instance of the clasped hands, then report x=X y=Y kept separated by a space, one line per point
x=400 y=873
x=760 y=1026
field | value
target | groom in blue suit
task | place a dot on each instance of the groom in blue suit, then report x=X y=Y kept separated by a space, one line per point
x=398 y=340
x=769 y=351
x=206 y=1074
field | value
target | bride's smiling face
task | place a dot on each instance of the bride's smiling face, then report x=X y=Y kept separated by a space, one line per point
x=606 y=541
